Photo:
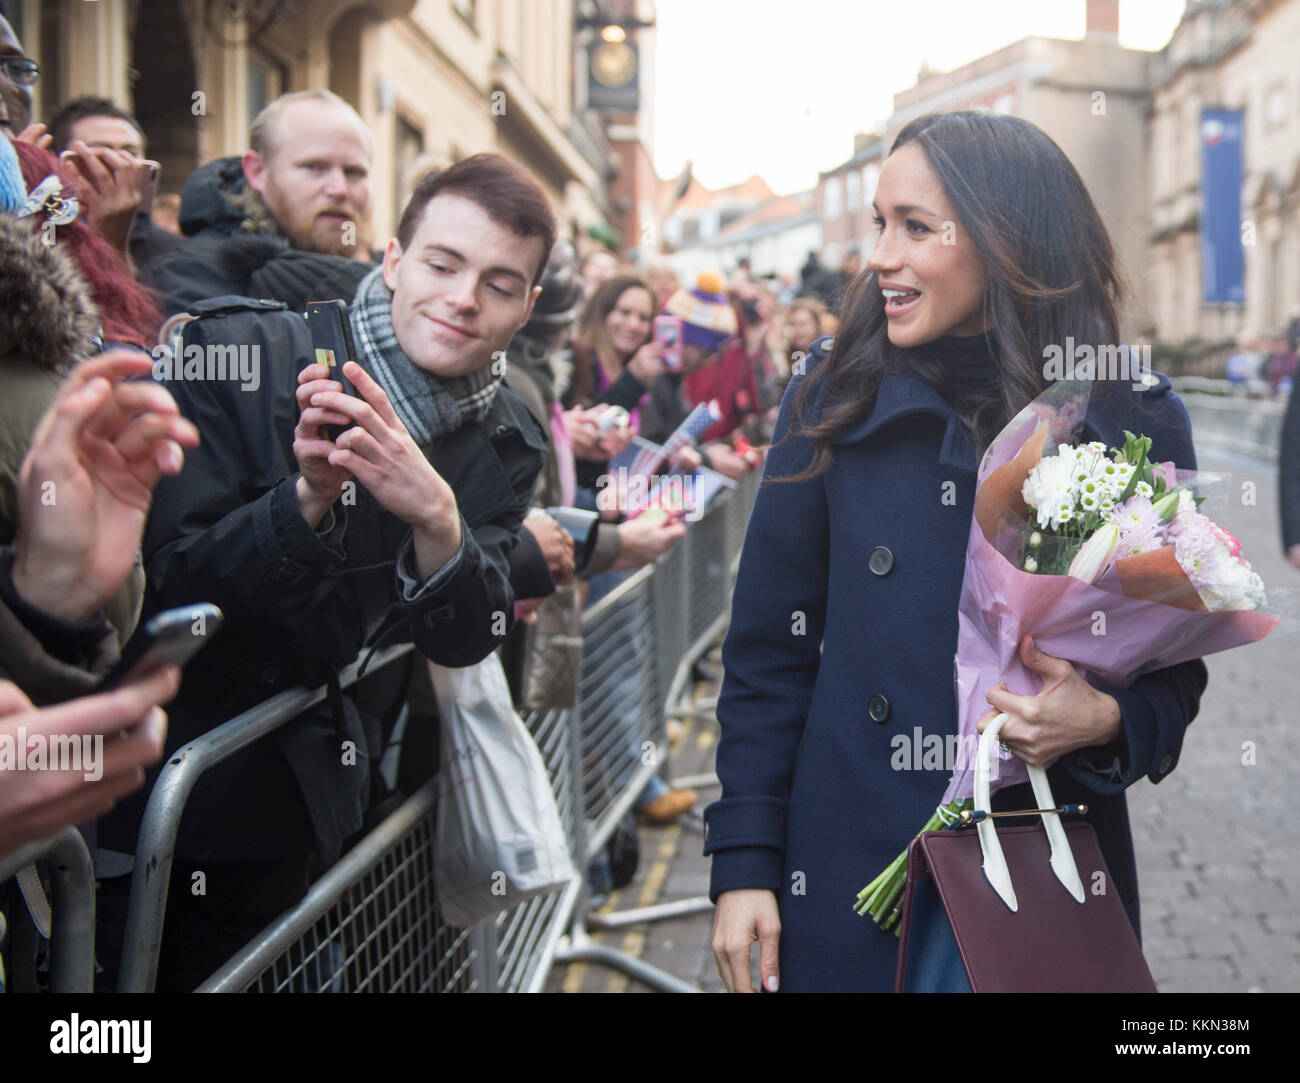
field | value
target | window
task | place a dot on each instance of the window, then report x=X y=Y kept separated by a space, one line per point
x=409 y=148
x=265 y=82
x=831 y=198
x=853 y=190
x=731 y=214
x=870 y=175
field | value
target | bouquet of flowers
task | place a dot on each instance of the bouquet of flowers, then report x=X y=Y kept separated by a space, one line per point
x=1103 y=556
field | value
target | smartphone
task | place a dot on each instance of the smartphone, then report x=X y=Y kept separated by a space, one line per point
x=668 y=333
x=172 y=637
x=148 y=186
x=331 y=337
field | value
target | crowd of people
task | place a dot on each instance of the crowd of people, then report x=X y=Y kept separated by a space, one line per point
x=325 y=510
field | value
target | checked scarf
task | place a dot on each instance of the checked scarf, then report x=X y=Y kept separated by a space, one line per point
x=431 y=407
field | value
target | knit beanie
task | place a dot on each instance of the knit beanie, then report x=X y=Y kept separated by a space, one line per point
x=708 y=319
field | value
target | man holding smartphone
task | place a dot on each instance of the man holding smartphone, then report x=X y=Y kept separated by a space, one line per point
x=102 y=148
x=401 y=527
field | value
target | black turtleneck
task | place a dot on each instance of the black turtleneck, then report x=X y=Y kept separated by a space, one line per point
x=969 y=370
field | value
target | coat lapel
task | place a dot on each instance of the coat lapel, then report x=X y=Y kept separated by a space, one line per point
x=902 y=395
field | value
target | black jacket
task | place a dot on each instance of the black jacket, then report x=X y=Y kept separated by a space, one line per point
x=1288 y=472
x=235 y=247
x=300 y=603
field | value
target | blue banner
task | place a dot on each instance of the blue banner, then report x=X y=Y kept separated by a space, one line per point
x=1222 y=261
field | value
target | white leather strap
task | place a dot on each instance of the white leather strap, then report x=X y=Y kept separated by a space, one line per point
x=995 y=864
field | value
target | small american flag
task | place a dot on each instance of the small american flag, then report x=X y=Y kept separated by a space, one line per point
x=641 y=457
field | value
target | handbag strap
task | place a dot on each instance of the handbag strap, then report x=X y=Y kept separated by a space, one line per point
x=995 y=864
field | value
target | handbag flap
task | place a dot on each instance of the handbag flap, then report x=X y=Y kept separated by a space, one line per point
x=1051 y=943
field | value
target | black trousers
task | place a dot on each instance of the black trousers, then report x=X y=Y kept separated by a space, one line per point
x=201 y=930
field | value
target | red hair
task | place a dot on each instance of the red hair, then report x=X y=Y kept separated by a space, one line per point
x=128 y=311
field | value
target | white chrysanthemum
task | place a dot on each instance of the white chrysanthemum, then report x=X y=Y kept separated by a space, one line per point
x=1048 y=488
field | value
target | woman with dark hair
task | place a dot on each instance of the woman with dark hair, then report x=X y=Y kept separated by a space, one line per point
x=844 y=624
x=614 y=363
x=613 y=359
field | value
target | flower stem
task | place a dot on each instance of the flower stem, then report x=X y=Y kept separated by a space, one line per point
x=882 y=898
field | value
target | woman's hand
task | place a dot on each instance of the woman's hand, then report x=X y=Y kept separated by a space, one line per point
x=724 y=459
x=741 y=918
x=1067 y=714
x=687 y=460
x=584 y=435
x=647 y=363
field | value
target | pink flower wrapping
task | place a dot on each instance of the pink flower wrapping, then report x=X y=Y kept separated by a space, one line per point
x=1143 y=613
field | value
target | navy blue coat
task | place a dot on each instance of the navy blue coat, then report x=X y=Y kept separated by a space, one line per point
x=811 y=808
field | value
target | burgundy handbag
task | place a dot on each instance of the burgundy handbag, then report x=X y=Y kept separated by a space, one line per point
x=991 y=911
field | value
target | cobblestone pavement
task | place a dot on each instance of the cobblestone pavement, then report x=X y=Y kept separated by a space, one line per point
x=1218 y=854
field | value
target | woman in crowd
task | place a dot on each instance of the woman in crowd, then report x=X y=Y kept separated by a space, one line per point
x=828 y=660
x=614 y=364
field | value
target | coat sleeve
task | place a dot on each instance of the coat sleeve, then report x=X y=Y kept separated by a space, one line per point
x=51 y=660
x=626 y=391
x=464 y=611
x=1157 y=708
x=771 y=657
x=1288 y=473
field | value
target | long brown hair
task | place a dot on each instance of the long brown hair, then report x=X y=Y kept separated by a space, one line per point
x=1051 y=273
x=591 y=344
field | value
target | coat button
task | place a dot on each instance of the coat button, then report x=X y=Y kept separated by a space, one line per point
x=880 y=560
x=878 y=708
x=1165 y=763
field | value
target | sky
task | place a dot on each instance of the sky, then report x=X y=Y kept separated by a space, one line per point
x=778 y=87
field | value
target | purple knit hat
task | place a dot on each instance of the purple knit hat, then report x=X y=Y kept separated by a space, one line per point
x=708 y=319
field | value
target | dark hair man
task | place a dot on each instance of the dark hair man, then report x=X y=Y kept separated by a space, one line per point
x=399 y=529
x=97 y=122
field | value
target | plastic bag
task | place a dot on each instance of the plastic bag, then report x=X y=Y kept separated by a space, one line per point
x=499 y=835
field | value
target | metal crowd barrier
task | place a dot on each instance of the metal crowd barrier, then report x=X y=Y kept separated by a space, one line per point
x=371 y=922
x=72 y=906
